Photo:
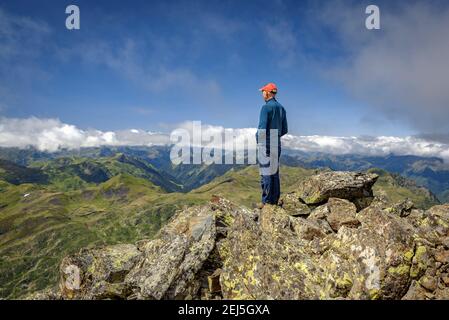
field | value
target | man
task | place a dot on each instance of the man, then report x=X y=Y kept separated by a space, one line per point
x=272 y=126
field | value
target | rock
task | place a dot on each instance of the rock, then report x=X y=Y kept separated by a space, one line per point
x=362 y=203
x=97 y=273
x=445 y=279
x=441 y=211
x=170 y=262
x=223 y=251
x=320 y=212
x=309 y=229
x=277 y=264
x=429 y=283
x=442 y=256
x=377 y=260
x=415 y=292
x=442 y=294
x=402 y=208
x=47 y=294
x=416 y=216
x=170 y=266
x=344 y=185
x=214 y=282
x=342 y=213
x=434 y=227
x=292 y=204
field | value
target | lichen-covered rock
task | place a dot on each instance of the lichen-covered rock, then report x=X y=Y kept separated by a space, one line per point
x=47 y=294
x=309 y=229
x=268 y=260
x=377 y=260
x=344 y=185
x=97 y=273
x=434 y=226
x=170 y=262
x=402 y=208
x=175 y=265
x=320 y=212
x=292 y=204
x=415 y=292
x=341 y=213
x=335 y=242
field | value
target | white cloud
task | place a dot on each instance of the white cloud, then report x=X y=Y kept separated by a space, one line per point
x=373 y=146
x=52 y=134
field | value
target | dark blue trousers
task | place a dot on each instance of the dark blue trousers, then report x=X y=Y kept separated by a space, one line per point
x=271 y=188
x=271 y=185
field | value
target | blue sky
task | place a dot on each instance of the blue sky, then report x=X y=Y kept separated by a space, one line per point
x=153 y=64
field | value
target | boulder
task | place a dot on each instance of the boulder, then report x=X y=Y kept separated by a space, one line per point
x=98 y=273
x=370 y=263
x=308 y=229
x=320 y=212
x=293 y=205
x=268 y=260
x=341 y=213
x=344 y=185
x=402 y=208
x=170 y=262
x=434 y=225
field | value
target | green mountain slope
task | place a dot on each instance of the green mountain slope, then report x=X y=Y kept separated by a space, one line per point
x=396 y=188
x=243 y=186
x=430 y=172
x=17 y=174
x=40 y=224
x=73 y=173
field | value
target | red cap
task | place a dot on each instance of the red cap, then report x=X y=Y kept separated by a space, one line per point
x=271 y=87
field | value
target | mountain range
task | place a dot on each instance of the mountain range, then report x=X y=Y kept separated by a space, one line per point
x=53 y=204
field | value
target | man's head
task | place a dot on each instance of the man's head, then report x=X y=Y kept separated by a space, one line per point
x=269 y=91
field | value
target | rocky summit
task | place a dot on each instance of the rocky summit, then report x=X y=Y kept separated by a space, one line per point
x=328 y=239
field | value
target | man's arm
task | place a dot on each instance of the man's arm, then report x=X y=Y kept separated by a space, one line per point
x=284 y=123
x=263 y=122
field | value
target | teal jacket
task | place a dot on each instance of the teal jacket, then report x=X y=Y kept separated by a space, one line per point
x=272 y=116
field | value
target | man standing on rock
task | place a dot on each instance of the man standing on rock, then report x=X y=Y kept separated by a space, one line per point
x=272 y=126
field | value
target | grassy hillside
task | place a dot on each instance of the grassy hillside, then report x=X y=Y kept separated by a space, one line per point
x=396 y=188
x=40 y=224
x=72 y=173
x=243 y=186
x=17 y=174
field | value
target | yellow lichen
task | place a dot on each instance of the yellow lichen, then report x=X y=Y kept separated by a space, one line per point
x=374 y=294
x=399 y=270
x=409 y=255
x=344 y=282
x=301 y=266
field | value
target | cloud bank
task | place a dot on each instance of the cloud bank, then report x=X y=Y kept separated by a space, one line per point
x=52 y=134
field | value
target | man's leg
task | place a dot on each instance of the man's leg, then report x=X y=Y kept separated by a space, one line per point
x=265 y=183
x=276 y=180
x=275 y=188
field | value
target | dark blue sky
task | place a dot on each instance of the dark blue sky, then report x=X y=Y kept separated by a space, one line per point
x=153 y=64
